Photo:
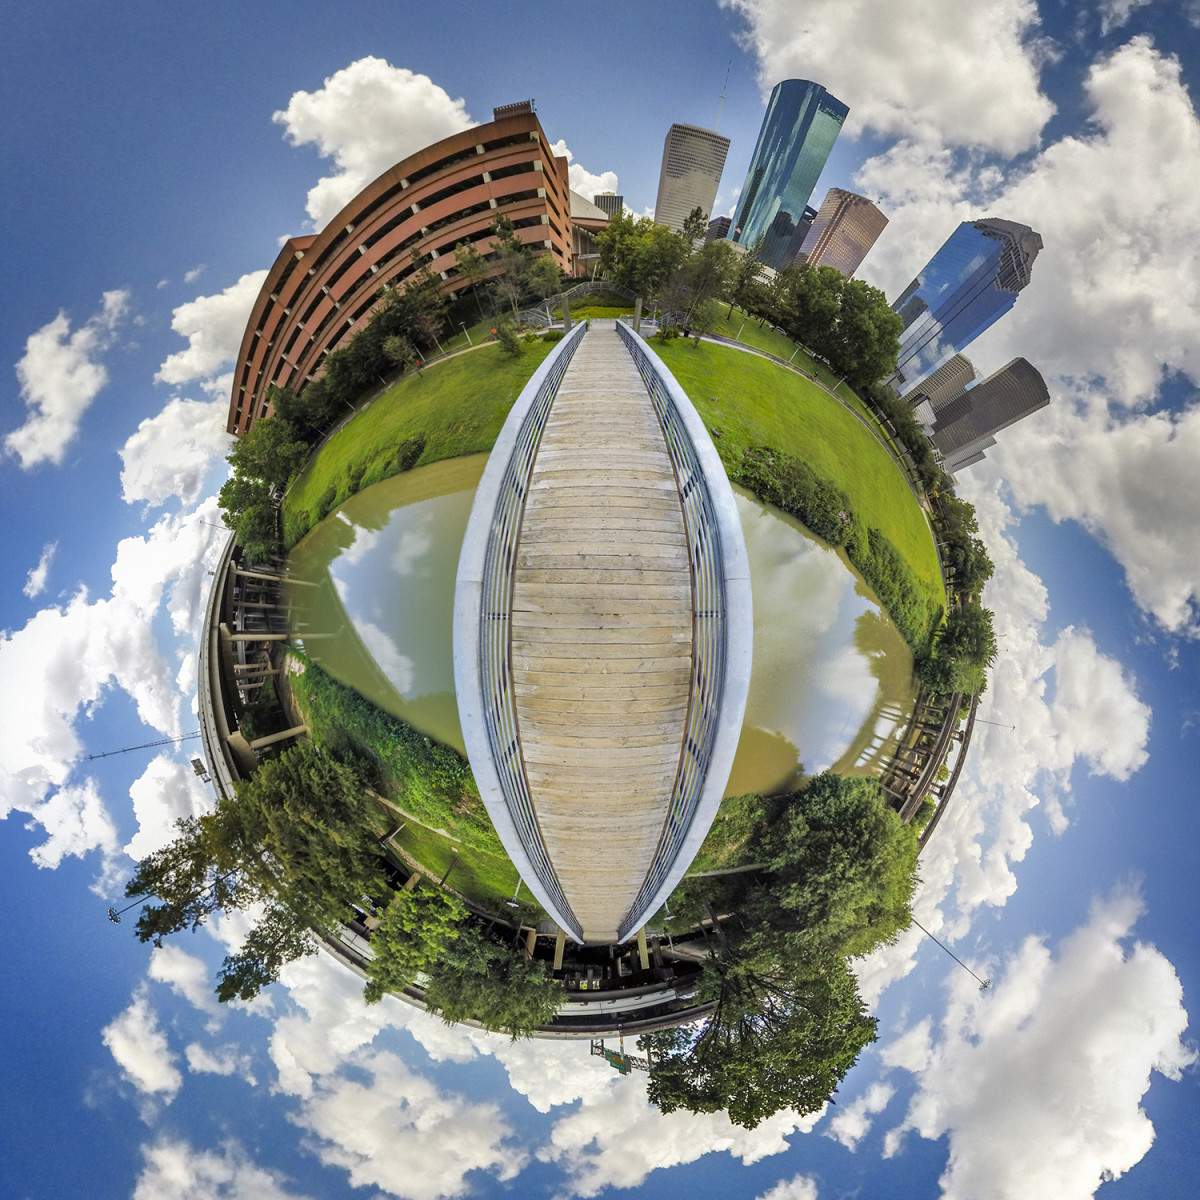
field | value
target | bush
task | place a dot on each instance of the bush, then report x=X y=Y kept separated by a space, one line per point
x=509 y=339
x=553 y=335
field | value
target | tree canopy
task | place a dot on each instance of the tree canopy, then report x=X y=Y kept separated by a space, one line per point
x=478 y=978
x=416 y=928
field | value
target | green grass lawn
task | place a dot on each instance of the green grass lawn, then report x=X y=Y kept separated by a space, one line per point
x=760 y=403
x=486 y=879
x=457 y=405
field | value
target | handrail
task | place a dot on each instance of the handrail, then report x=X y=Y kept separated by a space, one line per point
x=711 y=558
x=483 y=672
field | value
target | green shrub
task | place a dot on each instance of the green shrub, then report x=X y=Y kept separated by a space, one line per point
x=553 y=335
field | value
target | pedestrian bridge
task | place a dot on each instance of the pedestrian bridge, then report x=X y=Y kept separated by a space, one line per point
x=602 y=633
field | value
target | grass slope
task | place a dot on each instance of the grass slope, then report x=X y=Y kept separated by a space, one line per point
x=457 y=406
x=758 y=403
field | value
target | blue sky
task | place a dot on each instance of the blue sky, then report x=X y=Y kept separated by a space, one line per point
x=146 y=179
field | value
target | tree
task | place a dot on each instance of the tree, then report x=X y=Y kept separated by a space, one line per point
x=513 y=258
x=542 y=277
x=191 y=877
x=695 y=226
x=472 y=269
x=279 y=937
x=400 y=350
x=842 y=871
x=270 y=451
x=964 y=649
x=640 y=255
x=477 y=978
x=307 y=812
x=416 y=928
x=769 y=1044
x=746 y=289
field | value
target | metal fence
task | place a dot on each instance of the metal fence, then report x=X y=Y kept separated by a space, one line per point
x=709 y=628
x=499 y=704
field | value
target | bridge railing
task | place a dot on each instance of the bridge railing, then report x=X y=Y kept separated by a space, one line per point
x=718 y=562
x=483 y=673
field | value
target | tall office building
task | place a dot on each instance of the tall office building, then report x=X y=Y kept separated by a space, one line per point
x=965 y=426
x=802 y=123
x=609 y=202
x=967 y=285
x=692 y=162
x=718 y=227
x=845 y=228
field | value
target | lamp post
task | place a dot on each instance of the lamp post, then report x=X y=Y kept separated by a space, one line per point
x=513 y=902
x=463 y=327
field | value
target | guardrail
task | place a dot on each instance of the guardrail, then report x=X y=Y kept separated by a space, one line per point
x=710 y=627
x=491 y=671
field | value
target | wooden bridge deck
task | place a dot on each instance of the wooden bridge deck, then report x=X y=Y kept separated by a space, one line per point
x=601 y=634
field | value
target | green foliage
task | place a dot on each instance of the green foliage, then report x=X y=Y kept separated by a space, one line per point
x=422 y=776
x=638 y=254
x=845 y=321
x=308 y=813
x=795 y=487
x=508 y=339
x=909 y=430
x=415 y=930
x=842 y=869
x=480 y=979
x=297 y=835
x=269 y=452
x=965 y=648
x=553 y=335
x=772 y=1042
x=279 y=937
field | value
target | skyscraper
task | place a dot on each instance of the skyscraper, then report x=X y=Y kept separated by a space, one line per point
x=844 y=230
x=609 y=202
x=966 y=425
x=692 y=162
x=969 y=283
x=799 y=129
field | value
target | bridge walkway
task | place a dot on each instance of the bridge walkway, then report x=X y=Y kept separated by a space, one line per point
x=601 y=634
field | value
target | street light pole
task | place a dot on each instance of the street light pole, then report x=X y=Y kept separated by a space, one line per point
x=463 y=327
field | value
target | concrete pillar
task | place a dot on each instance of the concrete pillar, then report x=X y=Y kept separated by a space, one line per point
x=530 y=945
x=566 y=314
x=271 y=739
x=560 y=944
x=643 y=955
x=637 y=315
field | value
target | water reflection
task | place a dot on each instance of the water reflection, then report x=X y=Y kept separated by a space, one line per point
x=831 y=683
x=380 y=617
x=832 y=679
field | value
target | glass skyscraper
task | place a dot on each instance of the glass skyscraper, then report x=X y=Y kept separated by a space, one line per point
x=967 y=285
x=800 y=127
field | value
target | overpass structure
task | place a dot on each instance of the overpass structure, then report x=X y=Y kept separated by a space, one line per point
x=602 y=633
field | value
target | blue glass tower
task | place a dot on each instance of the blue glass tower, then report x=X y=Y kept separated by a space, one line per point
x=800 y=127
x=967 y=285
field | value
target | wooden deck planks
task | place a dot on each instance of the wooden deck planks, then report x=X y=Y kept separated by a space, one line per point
x=602 y=634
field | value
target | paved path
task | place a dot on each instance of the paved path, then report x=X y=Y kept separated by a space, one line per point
x=602 y=634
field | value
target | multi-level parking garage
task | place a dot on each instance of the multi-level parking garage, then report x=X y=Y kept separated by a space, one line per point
x=322 y=287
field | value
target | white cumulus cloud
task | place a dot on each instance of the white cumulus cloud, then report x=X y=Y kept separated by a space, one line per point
x=61 y=373
x=959 y=59
x=171 y=453
x=213 y=326
x=366 y=117
x=580 y=179
x=35 y=581
x=141 y=1050
x=1038 y=1083
x=173 y=1170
